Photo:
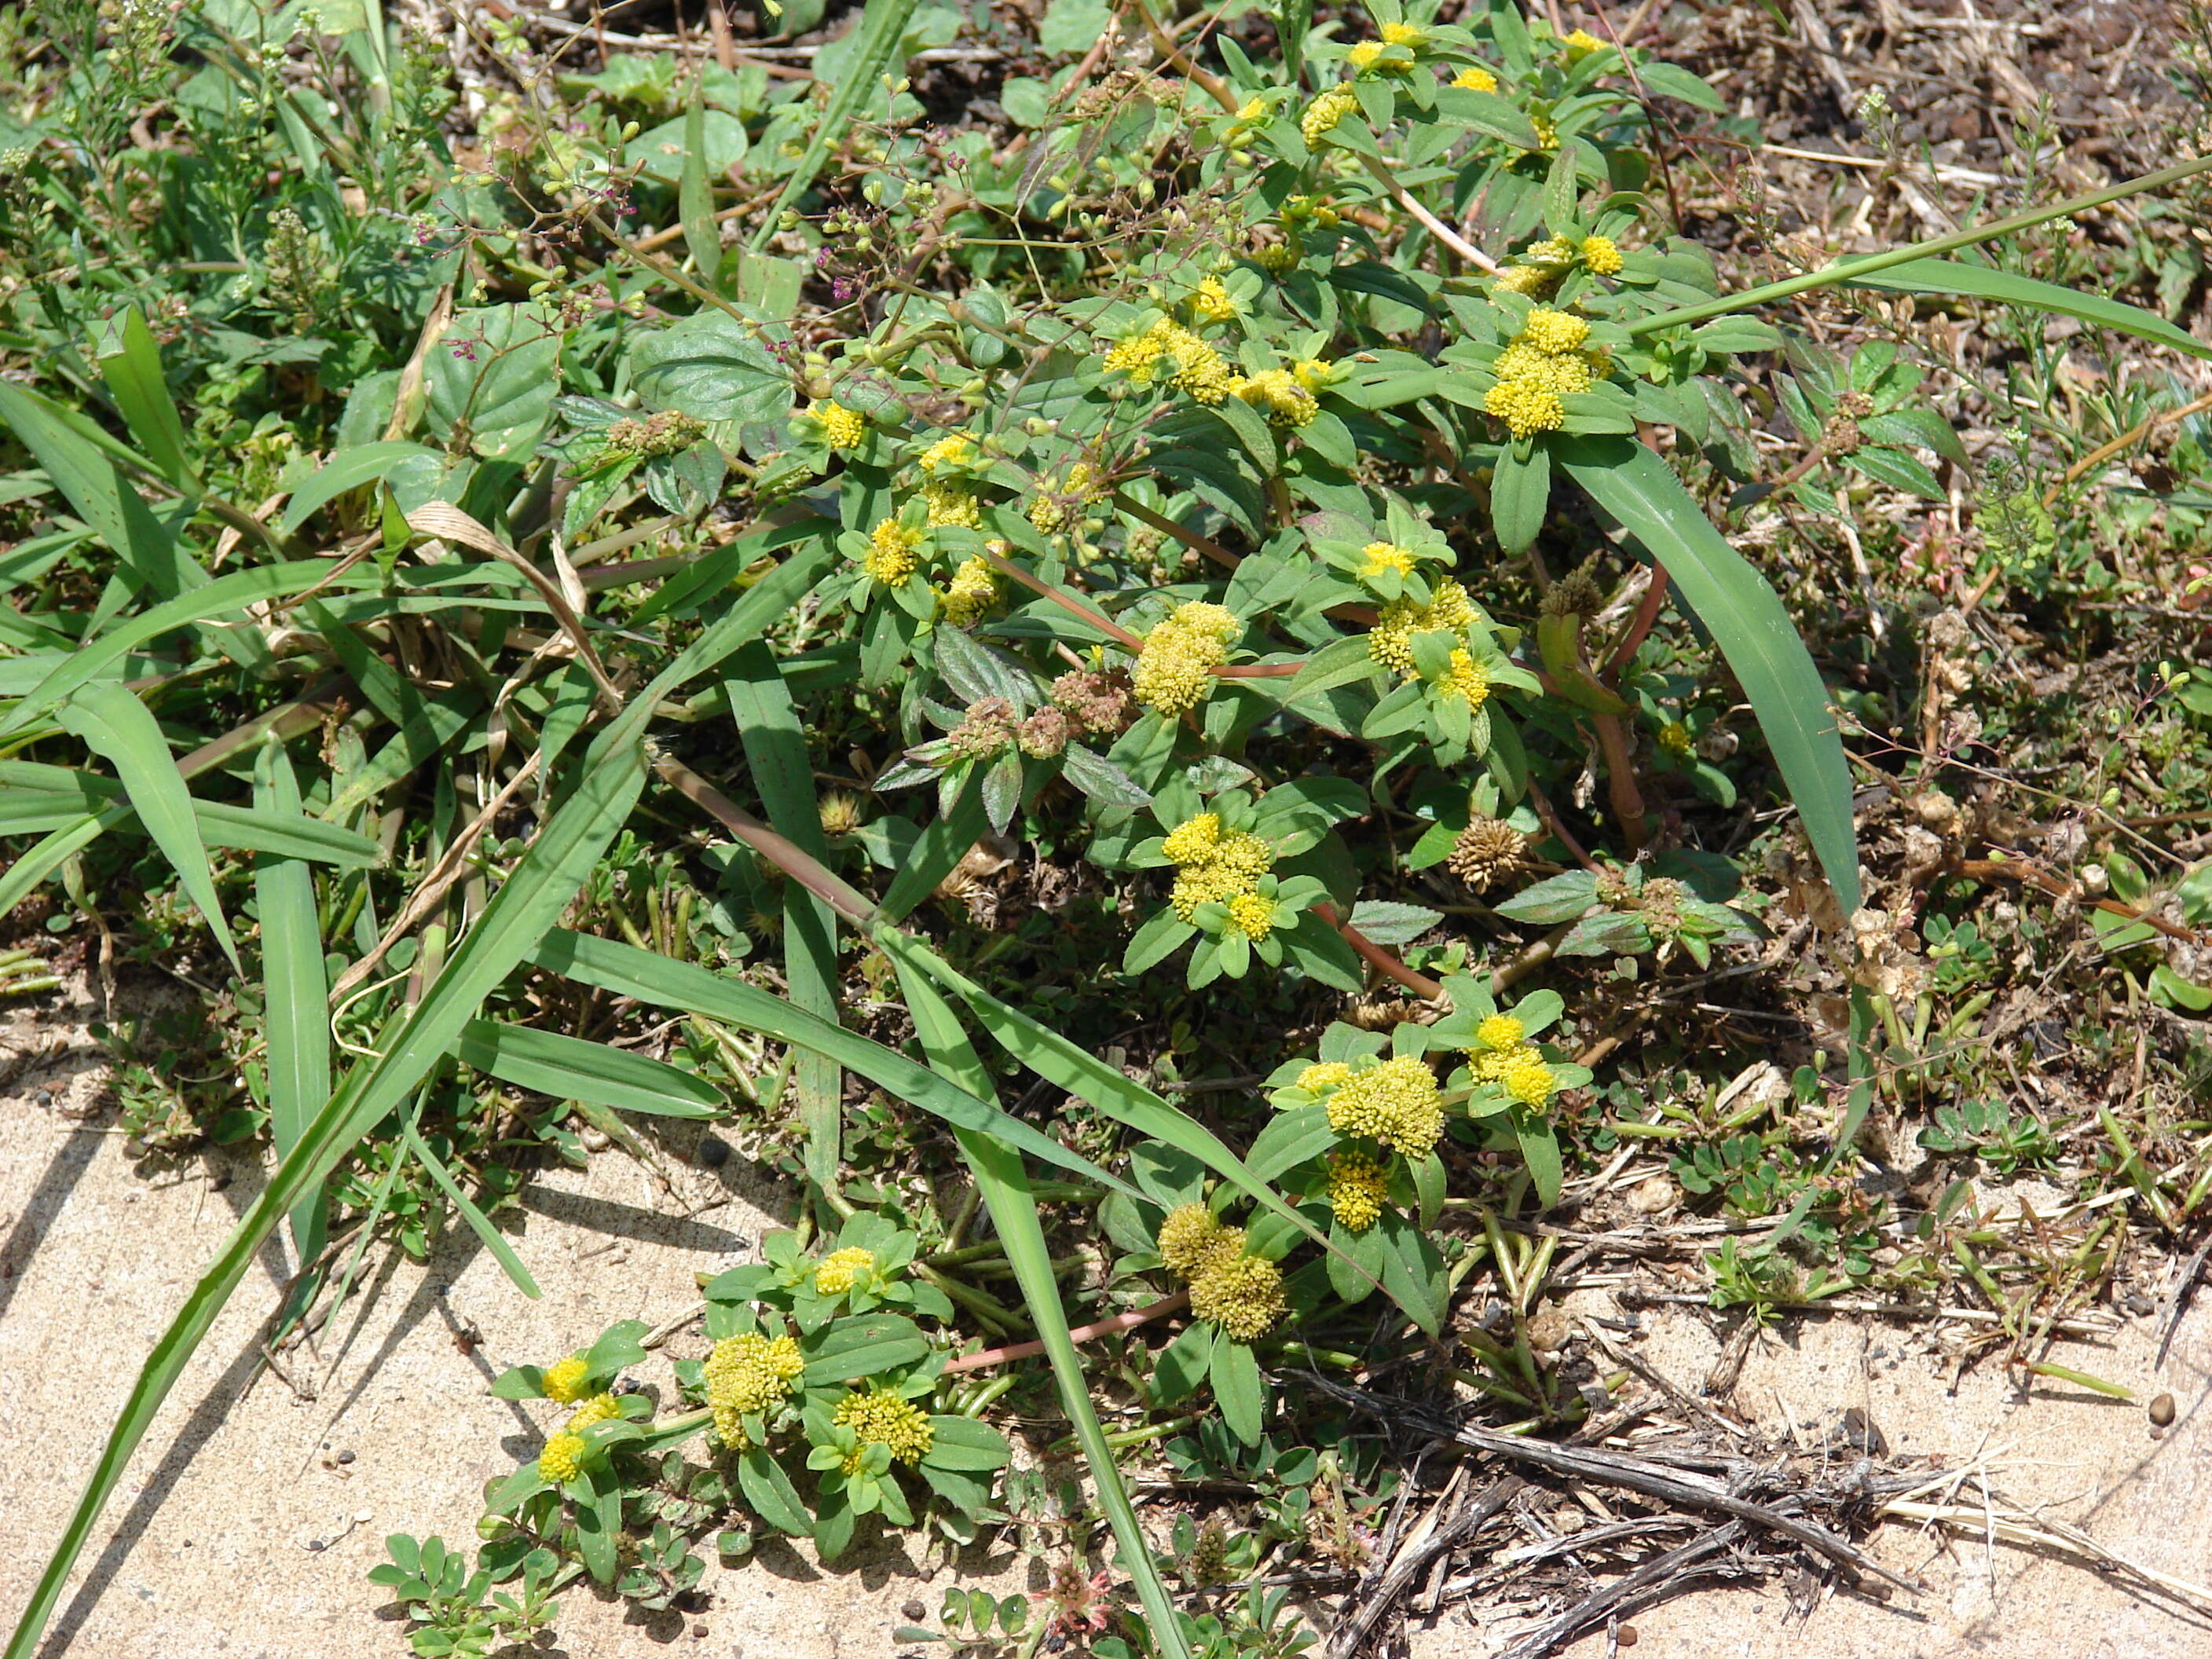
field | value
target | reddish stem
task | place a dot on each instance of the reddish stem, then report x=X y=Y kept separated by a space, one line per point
x=1647 y=614
x=1066 y=602
x=1387 y=960
x=1558 y=829
x=1127 y=1321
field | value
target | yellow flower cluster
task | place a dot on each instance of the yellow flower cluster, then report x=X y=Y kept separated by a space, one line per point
x=1601 y=254
x=1500 y=1032
x=1252 y=915
x=1215 y=867
x=1210 y=303
x=1048 y=511
x=562 y=1458
x=1675 y=739
x=1475 y=78
x=597 y=1409
x=1240 y=1292
x=840 y=1270
x=892 y=555
x=564 y=1381
x=1466 y=678
x=1325 y=112
x=1312 y=373
x=1359 y=1187
x=1175 y=667
x=1580 y=44
x=1363 y=57
x=842 y=427
x=1517 y=1066
x=747 y=1374
x=883 y=1418
x=1199 y=371
x=1281 y=395
x=1378 y=556
x=1325 y=1075
x=1405 y=35
x=1544 y=363
x=951 y=501
x=972 y=589
x=949 y=453
x=1396 y=1103
x=1390 y=642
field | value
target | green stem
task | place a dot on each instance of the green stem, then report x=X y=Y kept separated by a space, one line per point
x=1851 y=270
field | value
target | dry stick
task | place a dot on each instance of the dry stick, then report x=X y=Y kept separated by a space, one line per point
x=2020 y=870
x=779 y=850
x=1626 y=799
x=1436 y=227
x=1351 y=1635
x=1126 y=1321
x=2136 y=434
x=1633 y=1474
x=1655 y=1578
x=1640 y=625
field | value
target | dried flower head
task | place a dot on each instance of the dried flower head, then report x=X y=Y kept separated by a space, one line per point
x=1101 y=701
x=1574 y=594
x=1487 y=850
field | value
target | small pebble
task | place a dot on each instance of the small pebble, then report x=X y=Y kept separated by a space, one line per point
x=1625 y=1636
x=714 y=1153
x=913 y=1612
x=317 y=1544
x=345 y=1457
x=2161 y=1410
x=698 y=1632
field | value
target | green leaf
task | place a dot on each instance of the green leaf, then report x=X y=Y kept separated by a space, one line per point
x=118 y=727
x=570 y=1068
x=962 y=1442
x=865 y=1347
x=713 y=368
x=479 y=1223
x=774 y=1498
x=130 y=364
x=495 y=376
x=350 y=469
x=295 y=990
x=1539 y=1150
x=1984 y=283
x=693 y=203
x=1236 y=1388
x=1520 y=495
x=1747 y=621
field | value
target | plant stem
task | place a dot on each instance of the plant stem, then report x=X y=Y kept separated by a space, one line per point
x=1127 y=1321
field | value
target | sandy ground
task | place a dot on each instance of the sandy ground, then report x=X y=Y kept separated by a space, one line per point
x=242 y=1529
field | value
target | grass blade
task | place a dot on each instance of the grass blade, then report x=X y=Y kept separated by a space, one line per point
x=775 y=752
x=296 y=988
x=350 y=469
x=520 y=914
x=1004 y=1182
x=130 y=363
x=569 y=1068
x=119 y=728
x=876 y=41
x=627 y=971
x=1986 y=282
x=479 y=1223
x=1746 y=619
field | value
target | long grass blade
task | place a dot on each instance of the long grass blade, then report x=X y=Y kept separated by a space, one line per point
x=479 y=1223
x=569 y=1068
x=1004 y=1182
x=627 y=971
x=529 y=904
x=120 y=729
x=1986 y=282
x=1746 y=619
x=296 y=991
x=130 y=363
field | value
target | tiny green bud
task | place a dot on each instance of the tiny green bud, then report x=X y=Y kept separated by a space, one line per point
x=629 y=131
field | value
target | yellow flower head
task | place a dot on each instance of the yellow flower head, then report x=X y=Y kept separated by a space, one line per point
x=1280 y=393
x=973 y=590
x=1313 y=373
x=1526 y=409
x=1175 y=669
x=562 y=1458
x=1405 y=35
x=745 y=1375
x=1528 y=1078
x=1548 y=131
x=840 y=1270
x=1475 y=78
x=1555 y=331
x=1580 y=44
x=1551 y=250
x=1254 y=109
x=1251 y=915
x=949 y=453
x=1210 y=303
x=891 y=558
x=1193 y=840
x=1531 y=280
x=1329 y=1074
x=842 y=427
x=1138 y=357
x=1243 y=1294
x=951 y=501
x=1466 y=678
x=883 y=1418
x=1359 y=1187
x=1602 y=255
x=1562 y=373
x=564 y=1381
x=1500 y=1032
x=1390 y=642
x=1396 y=1103
x=1188 y=1235
x=1674 y=739
x=1362 y=56
x=597 y=1409
x=1202 y=373
x=1379 y=556
x=1325 y=112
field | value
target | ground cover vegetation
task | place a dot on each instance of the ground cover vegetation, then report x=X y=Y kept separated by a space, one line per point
x=1253 y=627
